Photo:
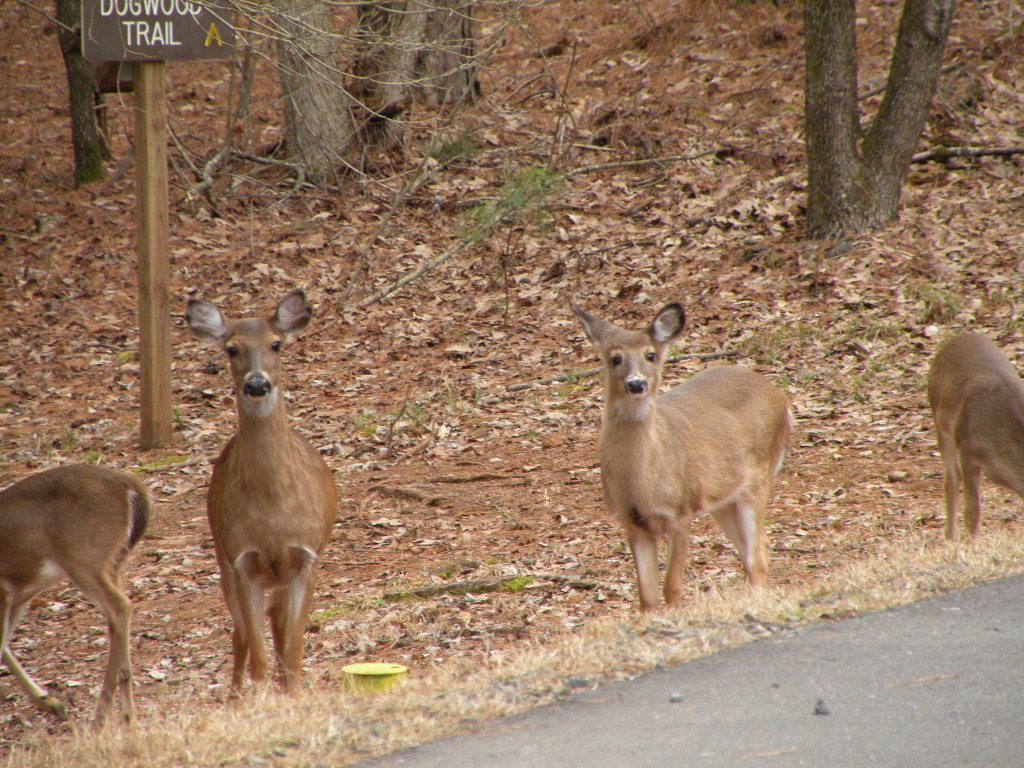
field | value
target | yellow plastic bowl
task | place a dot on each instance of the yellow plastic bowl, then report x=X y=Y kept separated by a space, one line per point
x=374 y=676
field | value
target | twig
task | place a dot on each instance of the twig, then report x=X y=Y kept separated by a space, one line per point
x=459 y=588
x=469 y=478
x=945 y=153
x=423 y=172
x=595 y=371
x=394 y=421
x=927 y=679
x=885 y=83
x=456 y=248
x=402 y=492
x=573 y=172
x=507 y=584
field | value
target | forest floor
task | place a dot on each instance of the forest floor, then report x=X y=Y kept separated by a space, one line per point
x=446 y=473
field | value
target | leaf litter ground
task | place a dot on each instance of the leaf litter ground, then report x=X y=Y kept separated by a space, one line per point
x=446 y=477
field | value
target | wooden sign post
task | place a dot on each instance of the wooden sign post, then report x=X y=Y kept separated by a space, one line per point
x=148 y=33
x=154 y=268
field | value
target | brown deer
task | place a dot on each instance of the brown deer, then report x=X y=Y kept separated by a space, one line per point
x=711 y=444
x=272 y=499
x=977 y=400
x=77 y=522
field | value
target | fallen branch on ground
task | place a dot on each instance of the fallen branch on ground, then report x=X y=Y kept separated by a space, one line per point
x=400 y=492
x=945 y=153
x=508 y=584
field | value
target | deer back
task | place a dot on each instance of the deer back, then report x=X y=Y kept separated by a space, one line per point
x=978 y=399
x=707 y=437
x=78 y=512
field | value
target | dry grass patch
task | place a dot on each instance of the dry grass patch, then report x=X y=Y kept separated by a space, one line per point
x=334 y=727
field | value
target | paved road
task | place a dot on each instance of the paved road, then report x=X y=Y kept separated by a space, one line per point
x=936 y=683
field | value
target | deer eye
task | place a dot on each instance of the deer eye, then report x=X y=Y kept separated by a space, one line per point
x=616 y=360
x=232 y=351
x=651 y=357
x=275 y=346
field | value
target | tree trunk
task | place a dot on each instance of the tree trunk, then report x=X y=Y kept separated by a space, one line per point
x=417 y=48
x=89 y=149
x=319 y=128
x=851 y=188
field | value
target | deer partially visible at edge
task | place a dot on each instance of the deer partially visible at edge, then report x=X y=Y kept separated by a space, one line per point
x=77 y=522
x=977 y=401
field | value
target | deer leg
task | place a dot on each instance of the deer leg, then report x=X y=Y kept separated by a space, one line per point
x=742 y=523
x=951 y=481
x=644 y=547
x=10 y=615
x=288 y=624
x=239 y=635
x=289 y=615
x=39 y=696
x=118 y=610
x=972 y=494
x=678 y=553
x=247 y=587
x=250 y=600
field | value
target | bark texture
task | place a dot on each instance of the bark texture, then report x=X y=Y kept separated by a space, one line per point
x=89 y=149
x=319 y=127
x=417 y=48
x=854 y=179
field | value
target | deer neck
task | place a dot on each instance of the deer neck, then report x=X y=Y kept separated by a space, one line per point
x=629 y=426
x=263 y=431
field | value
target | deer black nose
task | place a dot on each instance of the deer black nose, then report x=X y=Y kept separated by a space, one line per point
x=256 y=386
x=636 y=386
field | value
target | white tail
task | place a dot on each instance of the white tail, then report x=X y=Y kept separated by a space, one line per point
x=710 y=445
x=77 y=522
x=977 y=399
x=272 y=500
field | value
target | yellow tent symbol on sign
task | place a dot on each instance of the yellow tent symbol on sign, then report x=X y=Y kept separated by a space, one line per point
x=213 y=35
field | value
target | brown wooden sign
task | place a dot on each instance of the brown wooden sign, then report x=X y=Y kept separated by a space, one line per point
x=155 y=30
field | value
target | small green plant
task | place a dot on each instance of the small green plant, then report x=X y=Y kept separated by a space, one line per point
x=366 y=422
x=524 y=193
x=774 y=345
x=938 y=304
x=163 y=463
x=326 y=614
x=570 y=388
x=177 y=418
x=462 y=147
x=517 y=585
x=457 y=404
x=877 y=329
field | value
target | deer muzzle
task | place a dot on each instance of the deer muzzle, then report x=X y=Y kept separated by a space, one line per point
x=635 y=385
x=256 y=385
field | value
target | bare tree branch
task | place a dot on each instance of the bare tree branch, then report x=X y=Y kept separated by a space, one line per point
x=945 y=153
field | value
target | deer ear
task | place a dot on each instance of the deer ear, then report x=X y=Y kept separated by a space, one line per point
x=205 y=321
x=668 y=324
x=594 y=327
x=292 y=314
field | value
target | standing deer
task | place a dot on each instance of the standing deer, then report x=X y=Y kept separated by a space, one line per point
x=77 y=522
x=272 y=499
x=711 y=444
x=977 y=400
